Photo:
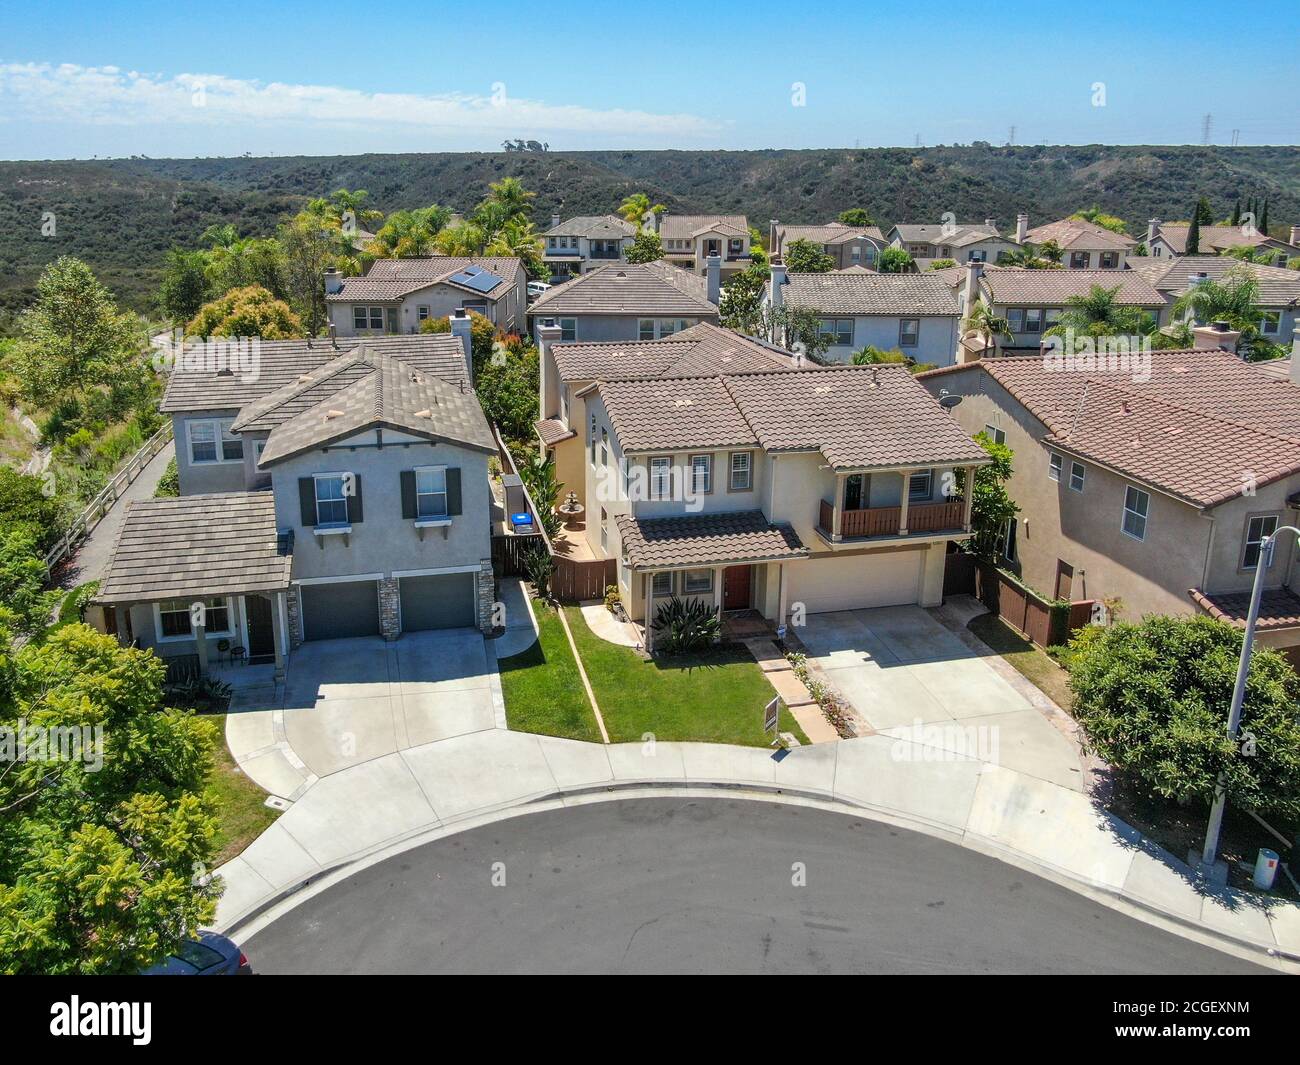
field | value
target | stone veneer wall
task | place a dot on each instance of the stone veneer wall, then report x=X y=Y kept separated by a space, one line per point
x=390 y=608
x=487 y=596
x=295 y=617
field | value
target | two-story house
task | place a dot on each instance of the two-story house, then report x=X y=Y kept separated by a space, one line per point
x=1156 y=493
x=689 y=240
x=962 y=243
x=1084 y=245
x=1279 y=289
x=335 y=489
x=723 y=470
x=1167 y=239
x=848 y=246
x=399 y=295
x=630 y=301
x=585 y=242
x=916 y=313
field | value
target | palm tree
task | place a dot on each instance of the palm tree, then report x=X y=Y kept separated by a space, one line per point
x=220 y=235
x=635 y=208
x=987 y=324
x=1031 y=257
x=1100 y=314
x=343 y=202
x=510 y=193
x=1234 y=299
x=410 y=233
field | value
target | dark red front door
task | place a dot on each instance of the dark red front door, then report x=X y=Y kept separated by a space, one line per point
x=735 y=587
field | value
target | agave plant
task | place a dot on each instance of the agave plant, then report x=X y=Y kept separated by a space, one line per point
x=684 y=625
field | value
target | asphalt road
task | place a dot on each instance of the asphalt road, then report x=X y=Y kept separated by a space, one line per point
x=690 y=885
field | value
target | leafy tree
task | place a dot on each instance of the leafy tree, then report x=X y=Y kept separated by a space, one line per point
x=742 y=298
x=1153 y=699
x=942 y=264
x=518 y=238
x=635 y=208
x=72 y=337
x=25 y=604
x=344 y=206
x=26 y=506
x=1234 y=299
x=646 y=247
x=257 y=261
x=873 y=356
x=1098 y=217
x=184 y=285
x=1193 y=246
x=991 y=326
x=895 y=261
x=1204 y=216
x=220 y=235
x=1235 y=219
x=247 y=312
x=805 y=257
x=539 y=478
x=1031 y=257
x=1263 y=219
x=793 y=328
x=507 y=387
x=992 y=506
x=101 y=866
x=856 y=216
x=408 y=233
x=309 y=247
x=1099 y=314
x=461 y=238
x=482 y=336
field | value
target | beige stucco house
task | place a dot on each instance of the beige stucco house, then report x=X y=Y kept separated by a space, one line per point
x=1084 y=245
x=848 y=246
x=689 y=240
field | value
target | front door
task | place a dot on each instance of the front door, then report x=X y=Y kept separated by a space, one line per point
x=261 y=635
x=735 y=587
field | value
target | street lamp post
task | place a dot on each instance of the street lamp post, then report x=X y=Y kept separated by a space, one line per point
x=1265 y=561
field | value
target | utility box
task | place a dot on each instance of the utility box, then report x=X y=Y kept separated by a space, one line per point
x=1265 y=869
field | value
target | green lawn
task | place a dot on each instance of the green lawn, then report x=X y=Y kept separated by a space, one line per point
x=1029 y=660
x=242 y=813
x=714 y=697
x=542 y=689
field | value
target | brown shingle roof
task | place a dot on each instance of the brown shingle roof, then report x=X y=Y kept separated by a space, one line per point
x=392 y=279
x=1076 y=233
x=668 y=414
x=649 y=289
x=855 y=292
x=1052 y=288
x=200 y=545
x=701 y=350
x=707 y=540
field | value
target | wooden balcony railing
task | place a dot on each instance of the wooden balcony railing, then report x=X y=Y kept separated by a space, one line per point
x=887 y=521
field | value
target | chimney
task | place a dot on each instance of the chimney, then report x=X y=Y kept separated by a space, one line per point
x=778 y=281
x=333 y=281
x=460 y=327
x=773 y=248
x=713 y=276
x=972 y=290
x=991 y=223
x=1153 y=227
x=555 y=220
x=657 y=220
x=1022 y=227
x=1295 y=356
x=1215 y=337
x=1295 y=236
x=548 y=332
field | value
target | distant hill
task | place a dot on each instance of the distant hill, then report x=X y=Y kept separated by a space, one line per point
x=122 y=215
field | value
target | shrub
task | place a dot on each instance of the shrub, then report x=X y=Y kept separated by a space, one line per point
x=684 y=625
x=539 y=565
x=169 y=485
x=613 y=600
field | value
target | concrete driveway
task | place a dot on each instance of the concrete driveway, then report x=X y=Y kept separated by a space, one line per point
x=350 y=701
x=909 y=677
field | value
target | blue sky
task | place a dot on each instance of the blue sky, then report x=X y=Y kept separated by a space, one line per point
x=173 y=79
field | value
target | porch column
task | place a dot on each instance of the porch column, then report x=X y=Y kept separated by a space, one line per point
x=838 y=510
x=122 y=615
x=717 y=590
x=649 y=607
x=970 y=497
x=278 y=633
x=201 y=641
x=780 y=598
x=902 y=508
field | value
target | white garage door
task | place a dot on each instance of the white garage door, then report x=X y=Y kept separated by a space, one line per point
x=851 y=582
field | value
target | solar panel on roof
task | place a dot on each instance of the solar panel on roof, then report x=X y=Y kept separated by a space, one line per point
x=477 y=278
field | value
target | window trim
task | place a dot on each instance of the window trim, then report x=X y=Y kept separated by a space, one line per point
x=571 y=328
x=220 y=428
x=686 y=582
x=229 y=630
x=1055 y=466
x=446 y=514
x=1144 y=516
x=994 y=433
x=666 y=463
x=836 y=331
x=916 y=337
x=1082 y=471
x=708 y=473
x=748 y=486
x=912 y=495
x=1246 y=542
x=330 y=525
x=672 y=583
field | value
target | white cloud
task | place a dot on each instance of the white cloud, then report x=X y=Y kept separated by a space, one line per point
x=68 y=93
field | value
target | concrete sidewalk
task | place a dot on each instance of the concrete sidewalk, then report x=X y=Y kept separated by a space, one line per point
x=1042 y=827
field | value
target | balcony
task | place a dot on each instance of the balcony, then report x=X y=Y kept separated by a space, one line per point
x=876 y=523
x=605 y=253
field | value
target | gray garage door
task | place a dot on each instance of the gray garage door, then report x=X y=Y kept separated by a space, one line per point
x=330 y=611
x=444 y=601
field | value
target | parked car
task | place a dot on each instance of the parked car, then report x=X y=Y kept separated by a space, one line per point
x=536 y=288
x=209 y=955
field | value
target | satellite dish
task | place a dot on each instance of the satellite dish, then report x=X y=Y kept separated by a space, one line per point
x=948 y=402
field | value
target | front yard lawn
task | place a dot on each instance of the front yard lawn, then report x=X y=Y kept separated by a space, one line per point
x=542 y=689
x=1029 y=660
x=242 y=813
x=714 y=697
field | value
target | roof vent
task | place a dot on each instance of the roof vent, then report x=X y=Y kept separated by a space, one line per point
x=303 y=378
x=332 y=413
x=426 y=413
x=875 y=377
x=1124 y=407
x=225 y=371
x=822 y=390
x=684 y=402
x=620 y=276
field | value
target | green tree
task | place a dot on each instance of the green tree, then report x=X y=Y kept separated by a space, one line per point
x=635 y=208
x=873 y=356
x=539 y=478
x=1100 y=314
x=461 y=238
x=26 y=506
x=1235 y=219
x=102 y=866
x=408 y=233
x=646 y=247
x=309 y=247
x=507 y=387
x=992 y=327
x=247 y=312
x=992 y=506
x=1153 y=698
x=482 y=336
x=1233 y=298
x=942 y=264
x=1263 y=219
x=25 y=604
x=1098 y=217
x=1204 y=216
x=856 y=216
x=518 y=238
x=740 y=307
x=805 y=257
x=895 y=261
x=1193 y=245
x=184 y=285
x=255 y=261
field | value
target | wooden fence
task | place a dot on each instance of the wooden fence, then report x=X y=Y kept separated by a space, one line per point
x=1043 y=621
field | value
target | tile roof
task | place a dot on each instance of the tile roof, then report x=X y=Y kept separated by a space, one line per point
x=926 y=233
x=656 y=288
x=662 y=414
x=1197 y=429
x=1051 y=288
x=856 y=292
x=1276 y=368
x=373 y=389
x=1071 y=233
x=685 y=226
x=830 y=233
x=392 y=279
x=599 y=226
x=707 y=540
x=1279 y=608
x=1213 y=238
x=1278 y=287
x=551 y=431
x=701 y=350
x=282 y=362
x=200 y=545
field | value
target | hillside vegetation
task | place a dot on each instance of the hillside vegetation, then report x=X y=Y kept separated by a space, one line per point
x=121 y=216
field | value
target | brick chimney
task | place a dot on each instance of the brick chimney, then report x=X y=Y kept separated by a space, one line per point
x=713 y=277
x=1022 y=227
x=460 y=327
x=1215 y=337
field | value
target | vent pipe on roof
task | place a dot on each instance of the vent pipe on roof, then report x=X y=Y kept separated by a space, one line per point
x=334 y=338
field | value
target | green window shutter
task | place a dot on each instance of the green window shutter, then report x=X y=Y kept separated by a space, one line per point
x=408 y=494
x=354 y=501
x=307 y=500
x=453 y=490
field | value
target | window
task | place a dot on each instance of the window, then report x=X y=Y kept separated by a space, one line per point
x=663 y=584
x=645 y=329
x=855 y=253
x=1079 y=260
x=742 y=472
x=697 y=581
x=1051 y=317
x=1136 y=503
x=672 y=325
x=431 y=492
x=1033 y=320
x=735 y=246
x=367 y=318
x=331 y=503
x=920 y=485
x=909 y=330
x=1076 y=476
x=1269 y=323
x=1016 y=319
x=232 y=447
x=174 y=618
x=839 y=331
x=1258 y=527
x=593 y=439
x=1054 y=463
x=604 y=446
x=423 y=313
x=701 y=473
x=995 y=434
x=977 y=256
x=604 y=531
x=568 y=328
x=1109 y=260
x=203 y=441
x=661 y=470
